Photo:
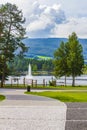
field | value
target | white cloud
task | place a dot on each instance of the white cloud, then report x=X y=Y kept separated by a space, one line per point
x=47 y=19
x=43 y=19
x=50 y=21
x=77 y=25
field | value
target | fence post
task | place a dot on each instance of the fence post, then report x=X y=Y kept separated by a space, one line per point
x=35 y=83
x=17 y=82
x=11 y=82
x=32 y=83
x=24 y=82
x=43 y=82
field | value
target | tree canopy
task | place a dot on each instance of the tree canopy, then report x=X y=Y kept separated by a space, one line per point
x=11 y=33
x=68 y=58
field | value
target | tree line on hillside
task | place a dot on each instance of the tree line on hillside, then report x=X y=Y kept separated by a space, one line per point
x=19 y=66
x=68 y=61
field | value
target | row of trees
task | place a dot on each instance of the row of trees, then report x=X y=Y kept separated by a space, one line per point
x=20 y=65
x=11 y=34
x=68 y=59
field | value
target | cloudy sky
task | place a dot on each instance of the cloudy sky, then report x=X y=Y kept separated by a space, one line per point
x=53 y=18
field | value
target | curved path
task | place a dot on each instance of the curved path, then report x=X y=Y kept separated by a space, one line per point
x=28 y=112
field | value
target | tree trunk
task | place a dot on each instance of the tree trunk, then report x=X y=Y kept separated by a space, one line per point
x=2 y=81
x=73 y=80
x=3 y=76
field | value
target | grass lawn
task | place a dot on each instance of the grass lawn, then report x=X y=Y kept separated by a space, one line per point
x=68 y=87
x=15 y=86
x=49 y=87
x=63 y=96
x=2 y=97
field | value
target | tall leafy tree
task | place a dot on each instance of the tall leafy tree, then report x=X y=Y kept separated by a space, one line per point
x=75 y=58
x=60 y=61
x=1 y=67
x=68 y=58
x=11 y=33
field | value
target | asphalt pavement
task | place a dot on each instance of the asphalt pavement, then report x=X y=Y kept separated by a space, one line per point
x=28 y=112
x=40 y=113
x=76 y=117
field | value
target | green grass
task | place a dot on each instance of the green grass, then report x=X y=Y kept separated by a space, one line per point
x=63 y=96
x=2 y=97
x=49 y=87
x=44 y=57
x=67 y=87
x=15 y=86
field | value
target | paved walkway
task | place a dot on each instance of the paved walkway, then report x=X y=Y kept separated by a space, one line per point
x=28 y=112
x=76 y=118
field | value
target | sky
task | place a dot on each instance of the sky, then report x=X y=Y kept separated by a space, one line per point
x=53 y=18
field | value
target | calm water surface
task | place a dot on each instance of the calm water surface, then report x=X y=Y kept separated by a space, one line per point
x=80 y=80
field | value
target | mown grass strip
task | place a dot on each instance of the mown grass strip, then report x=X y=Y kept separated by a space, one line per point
x=48 y=87
x=63 y=96
x=2 y=97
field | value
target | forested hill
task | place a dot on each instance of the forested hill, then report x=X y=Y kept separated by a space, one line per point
x=42 y=46
x=47 y=46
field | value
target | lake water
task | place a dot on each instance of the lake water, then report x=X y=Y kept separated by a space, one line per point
x=80 y=80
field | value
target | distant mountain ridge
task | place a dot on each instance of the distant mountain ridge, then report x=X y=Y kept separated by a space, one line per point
x=47 y=46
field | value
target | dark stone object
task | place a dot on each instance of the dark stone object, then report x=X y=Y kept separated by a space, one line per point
x=28 y=88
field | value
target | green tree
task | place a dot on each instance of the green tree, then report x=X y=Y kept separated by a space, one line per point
x=85 y=69
x=60 y=61
x=68 y=58
x=12 y=33
x=34 y=67
x=44 y=67
x=1 y=67
x=75 y=58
